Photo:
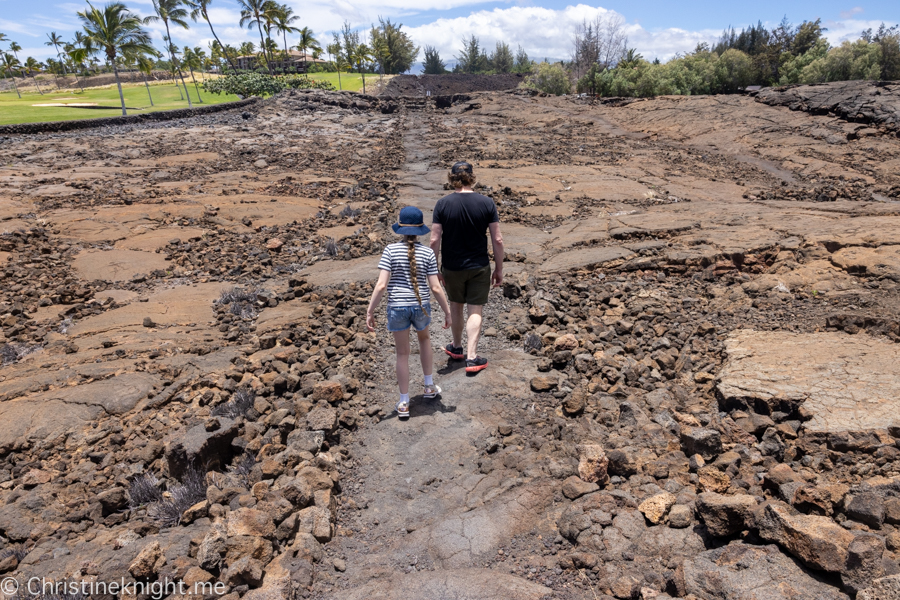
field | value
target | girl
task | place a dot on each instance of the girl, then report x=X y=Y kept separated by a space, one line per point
x=408 y=271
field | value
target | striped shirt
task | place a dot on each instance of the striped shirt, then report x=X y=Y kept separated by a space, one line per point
x=395 y=259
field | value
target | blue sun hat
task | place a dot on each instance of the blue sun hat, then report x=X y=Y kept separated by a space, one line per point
x=411 y=222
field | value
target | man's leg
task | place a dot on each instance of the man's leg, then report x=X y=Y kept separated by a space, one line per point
x=456 y=328
x=473 y=329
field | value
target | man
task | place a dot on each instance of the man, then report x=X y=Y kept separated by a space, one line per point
x=459 y=225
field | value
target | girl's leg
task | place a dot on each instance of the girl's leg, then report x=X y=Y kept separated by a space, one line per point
x=401 y=342
x=426 y=353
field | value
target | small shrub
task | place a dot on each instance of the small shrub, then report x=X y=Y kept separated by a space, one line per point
x=349 y=212
x=144 y=489
x=239 y=294
x=261 y=84
x=331 y=248
x=552 y=79
x=298 y=82
x=243 y=467
x=242 y=301
x=167 y=512
x=64 y=326
x=245 y=84
x=13 y=353
x=20 y=551
x=238 y=406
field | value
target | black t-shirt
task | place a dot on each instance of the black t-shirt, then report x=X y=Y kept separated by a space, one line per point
x=465 y=219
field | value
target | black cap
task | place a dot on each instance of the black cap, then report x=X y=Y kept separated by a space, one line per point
x=461 y=167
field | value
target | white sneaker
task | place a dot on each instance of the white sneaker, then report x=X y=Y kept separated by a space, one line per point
x=403 y=410
x=431 y=391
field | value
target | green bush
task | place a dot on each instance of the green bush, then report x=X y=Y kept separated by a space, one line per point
x=258 y=84
x=701 y=72
x=552 y=79
x=297 y=82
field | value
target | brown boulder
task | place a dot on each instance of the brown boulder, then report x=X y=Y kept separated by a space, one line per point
x=817 y=541
x=146 y=562
x=544 y=383
x=316 y=520
x=749 y=572
x=573 y=487
x=565 y=342
x=864 y=562
x=322 y=418
x=328 y=391
x=592 y=464
x=725 y=515
x=655 y=507
x=249 y=521
x=245 y=570
x=713 y=480
x=883 y=588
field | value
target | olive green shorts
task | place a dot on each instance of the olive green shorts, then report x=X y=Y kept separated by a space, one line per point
x=468 y=287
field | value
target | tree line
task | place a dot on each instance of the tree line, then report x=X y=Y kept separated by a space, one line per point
x=603 y=64
x=114 y=38
x=474 y=59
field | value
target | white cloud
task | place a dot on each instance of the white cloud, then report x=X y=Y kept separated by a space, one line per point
x=848 y=14
x=13 y=27
x=848 y=29
x=545 y=32
x=221 y=16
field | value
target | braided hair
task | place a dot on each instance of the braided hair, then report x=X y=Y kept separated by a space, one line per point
x=411 y=255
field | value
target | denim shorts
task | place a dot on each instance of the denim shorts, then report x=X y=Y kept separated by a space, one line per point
x=399 y=318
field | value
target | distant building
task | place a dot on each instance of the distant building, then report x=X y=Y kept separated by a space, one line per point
x=294 y=61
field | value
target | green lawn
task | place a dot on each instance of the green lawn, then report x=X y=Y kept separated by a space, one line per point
x=349 y=81
x=165 y=97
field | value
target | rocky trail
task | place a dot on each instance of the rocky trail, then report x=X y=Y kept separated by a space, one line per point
x=691 y=391
x=425 y=521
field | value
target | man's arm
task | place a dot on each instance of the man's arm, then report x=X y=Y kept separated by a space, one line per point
x=437 y=231
x=497 y=243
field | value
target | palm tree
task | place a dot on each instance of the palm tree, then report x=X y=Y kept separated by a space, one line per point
x=53 y=67
x=77 y=54
x=193 y=61
x=145 y=66
x=217 y=52
x=252 y=13
x=307 y=42
x=117 y=31
x=14 y=47
x=32 y=66
x=284 y=18
x=171 y=11
x=360 y=55
x=334 y=50
x=198 y=9
x=270 y=14
x=56 y=41
x=10 y=62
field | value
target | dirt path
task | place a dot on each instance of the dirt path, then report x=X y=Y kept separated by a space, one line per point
x=427 y=520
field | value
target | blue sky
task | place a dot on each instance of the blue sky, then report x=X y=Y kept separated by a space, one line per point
x=543 y=27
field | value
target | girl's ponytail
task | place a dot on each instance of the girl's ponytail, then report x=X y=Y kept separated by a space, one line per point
x=411 y=255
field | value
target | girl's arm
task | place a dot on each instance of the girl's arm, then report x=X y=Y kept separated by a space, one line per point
x=438 y=292
x=377 y=294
